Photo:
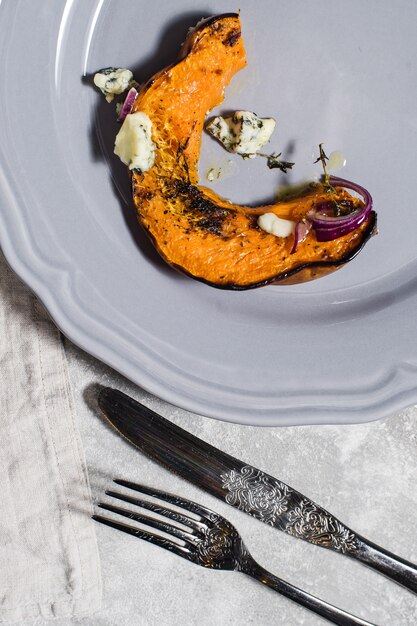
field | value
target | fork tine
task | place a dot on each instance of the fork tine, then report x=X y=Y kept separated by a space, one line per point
x=157 y=508
x=189 y=505
x=147 y=536
x=149 y=521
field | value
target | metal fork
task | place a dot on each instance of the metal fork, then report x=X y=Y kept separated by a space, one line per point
x=209 y=540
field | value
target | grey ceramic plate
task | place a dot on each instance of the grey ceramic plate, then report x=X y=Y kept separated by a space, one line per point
x=340 y=349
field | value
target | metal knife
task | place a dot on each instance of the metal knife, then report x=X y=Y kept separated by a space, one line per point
x=245 y=487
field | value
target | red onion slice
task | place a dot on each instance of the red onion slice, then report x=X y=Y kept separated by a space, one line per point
x=132 y=94
x=301 y=231
x=327 y=227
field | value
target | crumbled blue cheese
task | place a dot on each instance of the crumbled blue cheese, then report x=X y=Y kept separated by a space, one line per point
x=111 y=81
x=243 y=132
x=274 y=225
x=134 y=145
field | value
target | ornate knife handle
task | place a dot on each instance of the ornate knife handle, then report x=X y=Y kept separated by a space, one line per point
x=392 y=566
x=328 y=611
x=275 y=503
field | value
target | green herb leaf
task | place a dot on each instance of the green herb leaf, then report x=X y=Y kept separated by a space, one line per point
x=274 y=162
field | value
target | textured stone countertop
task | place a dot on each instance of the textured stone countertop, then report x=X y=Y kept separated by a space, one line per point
x=365 y=475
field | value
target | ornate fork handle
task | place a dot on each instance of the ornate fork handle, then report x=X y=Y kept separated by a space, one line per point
x=328 y=611
x=207 y=539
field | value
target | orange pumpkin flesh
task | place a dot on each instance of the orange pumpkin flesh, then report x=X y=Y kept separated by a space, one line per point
x=195 y=230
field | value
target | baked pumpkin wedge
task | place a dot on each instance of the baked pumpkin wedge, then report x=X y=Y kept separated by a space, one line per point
x=196 y=231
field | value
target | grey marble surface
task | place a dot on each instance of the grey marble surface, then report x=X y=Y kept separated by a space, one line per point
x=365 y=475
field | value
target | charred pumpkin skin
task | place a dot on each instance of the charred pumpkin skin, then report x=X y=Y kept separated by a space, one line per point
x=196 y=231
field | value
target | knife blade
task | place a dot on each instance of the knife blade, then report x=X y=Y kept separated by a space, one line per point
x=245 y=487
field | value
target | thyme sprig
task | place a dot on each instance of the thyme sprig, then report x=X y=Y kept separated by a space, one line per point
x=274 y=162
x=323 y=158
x=341 y=207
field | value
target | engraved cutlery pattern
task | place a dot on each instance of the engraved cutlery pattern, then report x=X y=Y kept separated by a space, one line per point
x=254 y=492
x=206 y=538
x=247 y=488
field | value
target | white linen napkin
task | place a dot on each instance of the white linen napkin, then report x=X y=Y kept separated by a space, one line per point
x=49 y=565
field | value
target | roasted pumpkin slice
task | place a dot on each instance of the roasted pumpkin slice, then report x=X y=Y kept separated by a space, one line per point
x=195 y=230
